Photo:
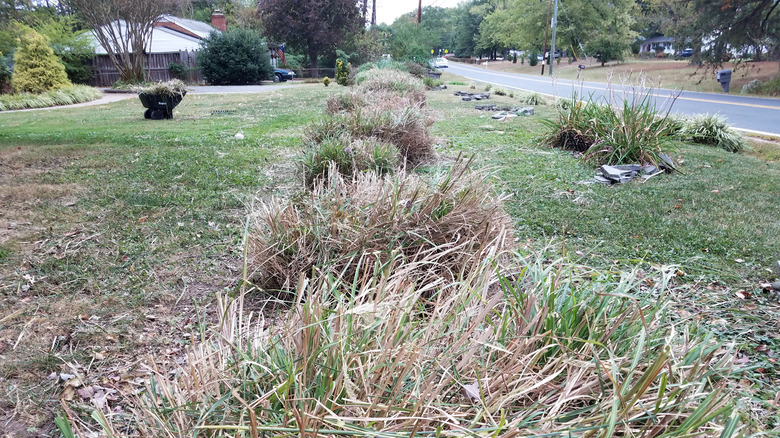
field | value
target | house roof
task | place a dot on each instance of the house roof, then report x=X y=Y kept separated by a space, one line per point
x=185 y=35
x=658 y=39
x=194 y=28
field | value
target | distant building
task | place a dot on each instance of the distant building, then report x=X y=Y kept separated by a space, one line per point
x=652 y=45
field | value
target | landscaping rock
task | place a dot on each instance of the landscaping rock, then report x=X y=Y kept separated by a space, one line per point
x=776 y=286
x=623 y=173
x=485 y=107
x=466 y=98
x=777 y=268
x=472 y=96
x=527 y=111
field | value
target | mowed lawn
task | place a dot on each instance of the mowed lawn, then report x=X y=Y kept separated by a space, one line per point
x=115 y=231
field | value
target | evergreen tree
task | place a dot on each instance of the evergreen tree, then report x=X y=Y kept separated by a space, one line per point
x=36 y=68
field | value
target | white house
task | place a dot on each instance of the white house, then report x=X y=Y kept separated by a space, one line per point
x=651 y=45
x=173 y=34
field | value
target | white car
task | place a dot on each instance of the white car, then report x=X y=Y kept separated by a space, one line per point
x=440 y=63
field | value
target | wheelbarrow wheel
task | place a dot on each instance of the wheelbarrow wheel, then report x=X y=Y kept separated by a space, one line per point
x=148 y=114
x=158 y=115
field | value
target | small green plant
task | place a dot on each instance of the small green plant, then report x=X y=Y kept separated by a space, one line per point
x=457 y=83
x=488 y=87
x=712 y=129
x=178 y=71
x=514 y=58
x=36 y=68
x=499 y=92
x=326 y=81
x=512 y=94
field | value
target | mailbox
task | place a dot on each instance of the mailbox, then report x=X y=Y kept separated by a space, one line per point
x=724 y=77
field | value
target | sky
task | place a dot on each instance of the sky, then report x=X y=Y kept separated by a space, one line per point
x=388 y=10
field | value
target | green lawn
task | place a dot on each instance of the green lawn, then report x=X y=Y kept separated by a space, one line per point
x=116 y=231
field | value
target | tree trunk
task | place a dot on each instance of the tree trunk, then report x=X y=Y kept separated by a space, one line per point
x=313 y=60
x=373 y=15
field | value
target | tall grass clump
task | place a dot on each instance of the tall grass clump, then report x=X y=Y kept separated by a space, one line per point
x=349 y=156
x=540 y=348
x=633 y=132
x=712 y=129
x=533 y=99
x=406 y=129
x=391 y=80
x=63 y=96
x=345 y=225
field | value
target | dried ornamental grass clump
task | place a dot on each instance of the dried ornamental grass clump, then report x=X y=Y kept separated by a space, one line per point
x=390 y=80
x=440 y=222
x=551 y=349
x=406 y=129
x=172 y=88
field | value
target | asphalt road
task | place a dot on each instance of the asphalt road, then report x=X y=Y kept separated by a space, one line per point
x=752 y=114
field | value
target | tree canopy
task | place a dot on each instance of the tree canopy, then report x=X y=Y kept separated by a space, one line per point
x=311 y=26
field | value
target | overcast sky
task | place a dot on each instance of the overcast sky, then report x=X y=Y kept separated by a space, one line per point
x=388 y=10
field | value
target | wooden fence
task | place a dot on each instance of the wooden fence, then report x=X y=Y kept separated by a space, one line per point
x=105 y=74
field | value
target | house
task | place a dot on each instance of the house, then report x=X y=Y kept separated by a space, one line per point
x=653 y=45
x=174 y=39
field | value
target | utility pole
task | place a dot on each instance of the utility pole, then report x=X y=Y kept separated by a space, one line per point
x=555 y=31
x=546 y=30
x=419 y=13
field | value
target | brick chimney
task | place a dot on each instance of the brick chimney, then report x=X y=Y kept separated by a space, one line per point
x=218 y=20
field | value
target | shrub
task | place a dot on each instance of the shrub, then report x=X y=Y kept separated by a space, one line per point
x=712 y=129
x=488 y=87
x=5 y=75
x=342 y=72
x=353 y=222
x=499 y=92
x=416 y=70
x=606 y=48
x=532 y=59
x=36 y=68
x=405 y=128
x=178 y=70
x=751 y=87
x=635 y=133
x=326 y=81
x=237 y=57
x=62 y=96
x=533 y=99
x=347 y=156
x=432 y=83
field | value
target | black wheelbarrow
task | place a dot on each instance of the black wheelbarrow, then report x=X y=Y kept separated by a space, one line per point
x=160 y=106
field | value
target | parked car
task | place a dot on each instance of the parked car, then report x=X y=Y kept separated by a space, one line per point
x=439 y=63
x=687 y=53
x=281 y=75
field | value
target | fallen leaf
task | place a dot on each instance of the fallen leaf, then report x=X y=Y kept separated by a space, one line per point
x=742 y=360
x=141 y=219
x=68 y=393
x=738 y=260
x=99 y=356
x=716 y=191
x=678 y=206
x=86 y=392
x=742 y=294
x=761 y=347
x=66 y=376
x=471 y=391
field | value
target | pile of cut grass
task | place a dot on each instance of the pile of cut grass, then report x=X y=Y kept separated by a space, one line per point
x=63 y=96
x=544 y=347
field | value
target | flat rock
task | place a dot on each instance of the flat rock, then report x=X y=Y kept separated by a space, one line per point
x=777 y=268
x=527 y=111
x=776 y=286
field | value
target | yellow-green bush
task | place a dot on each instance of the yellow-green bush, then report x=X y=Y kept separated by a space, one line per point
x=36 y=68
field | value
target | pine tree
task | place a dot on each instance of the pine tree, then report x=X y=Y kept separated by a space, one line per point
x=36 y=68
